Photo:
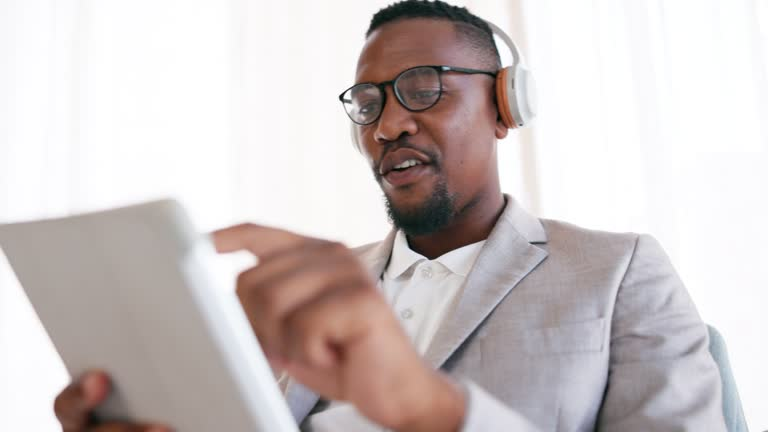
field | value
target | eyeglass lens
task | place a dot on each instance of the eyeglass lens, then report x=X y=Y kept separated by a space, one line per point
x=417 y=89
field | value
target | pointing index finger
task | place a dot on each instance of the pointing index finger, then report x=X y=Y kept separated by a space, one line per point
x=257 y=239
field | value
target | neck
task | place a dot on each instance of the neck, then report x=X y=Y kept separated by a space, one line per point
x=473 y=224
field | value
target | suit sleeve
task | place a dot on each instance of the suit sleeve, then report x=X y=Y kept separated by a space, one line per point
x=487 y=414
x=661 y=374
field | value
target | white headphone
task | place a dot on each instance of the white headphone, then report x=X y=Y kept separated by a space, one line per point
x=515 y=90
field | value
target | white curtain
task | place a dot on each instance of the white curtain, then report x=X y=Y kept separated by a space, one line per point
x=650 y=121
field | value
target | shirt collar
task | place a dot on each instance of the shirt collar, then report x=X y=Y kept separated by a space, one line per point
x=403 y=257
x=458 y=261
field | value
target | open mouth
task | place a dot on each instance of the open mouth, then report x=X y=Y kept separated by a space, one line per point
x=406 y=165
x=406 y=173
x=403 y=166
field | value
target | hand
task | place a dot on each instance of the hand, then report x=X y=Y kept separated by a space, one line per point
x=74 y=407
x=319 y=316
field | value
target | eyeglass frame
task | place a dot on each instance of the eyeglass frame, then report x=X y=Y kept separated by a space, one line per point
x=382 y=88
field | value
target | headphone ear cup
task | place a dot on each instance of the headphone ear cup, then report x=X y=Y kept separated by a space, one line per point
x=515 y=96
x=504 y=94
x=524 y=107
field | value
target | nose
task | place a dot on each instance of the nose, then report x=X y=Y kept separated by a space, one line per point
x=394 y=121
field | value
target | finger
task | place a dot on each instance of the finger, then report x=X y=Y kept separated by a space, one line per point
x=288 y=260
x=266 y=303
x=320 y=331
x=260 y=240
x=269 y=325
x=74 y=404
x=298 y=274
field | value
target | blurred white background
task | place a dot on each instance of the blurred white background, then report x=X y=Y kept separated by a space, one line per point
x=652 y=120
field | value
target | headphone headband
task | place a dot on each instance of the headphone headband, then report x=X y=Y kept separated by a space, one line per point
x=517 y=59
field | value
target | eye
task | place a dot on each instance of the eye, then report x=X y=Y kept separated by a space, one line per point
x=422 y=95
x=368 y=107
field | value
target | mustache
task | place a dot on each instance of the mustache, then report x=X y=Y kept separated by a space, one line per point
x=400 y=144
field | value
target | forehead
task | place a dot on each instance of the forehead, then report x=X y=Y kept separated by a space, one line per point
x=402 y=44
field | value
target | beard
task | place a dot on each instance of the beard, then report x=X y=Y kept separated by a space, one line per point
x=429 y=217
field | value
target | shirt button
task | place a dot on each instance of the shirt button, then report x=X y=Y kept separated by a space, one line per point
x=426 y=272
x=406 y=313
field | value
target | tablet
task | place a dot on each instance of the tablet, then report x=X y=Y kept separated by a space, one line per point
x=135 y=291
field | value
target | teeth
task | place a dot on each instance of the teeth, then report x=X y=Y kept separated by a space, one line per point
x=407 y=164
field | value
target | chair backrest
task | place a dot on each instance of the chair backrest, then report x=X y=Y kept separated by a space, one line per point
x=732 y=411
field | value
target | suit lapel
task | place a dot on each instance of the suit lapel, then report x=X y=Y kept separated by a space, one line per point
x=506 y=258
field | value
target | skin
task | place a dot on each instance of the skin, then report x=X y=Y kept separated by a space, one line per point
x=321 y=318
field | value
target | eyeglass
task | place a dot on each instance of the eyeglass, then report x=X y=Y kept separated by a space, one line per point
x=417 y=89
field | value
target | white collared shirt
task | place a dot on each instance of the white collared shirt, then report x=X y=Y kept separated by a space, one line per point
x=421 y=292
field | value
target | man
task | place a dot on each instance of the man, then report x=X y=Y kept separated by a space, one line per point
x=472 y=314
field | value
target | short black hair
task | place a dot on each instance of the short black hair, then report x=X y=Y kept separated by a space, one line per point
x=469 y=27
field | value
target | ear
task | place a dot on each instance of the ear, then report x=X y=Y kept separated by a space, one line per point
x=500 y=130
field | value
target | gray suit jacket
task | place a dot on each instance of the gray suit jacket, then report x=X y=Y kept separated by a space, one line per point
x=559 y=328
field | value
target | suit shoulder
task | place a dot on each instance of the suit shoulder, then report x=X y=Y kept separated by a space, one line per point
x=362 y=250
x=568 y=236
